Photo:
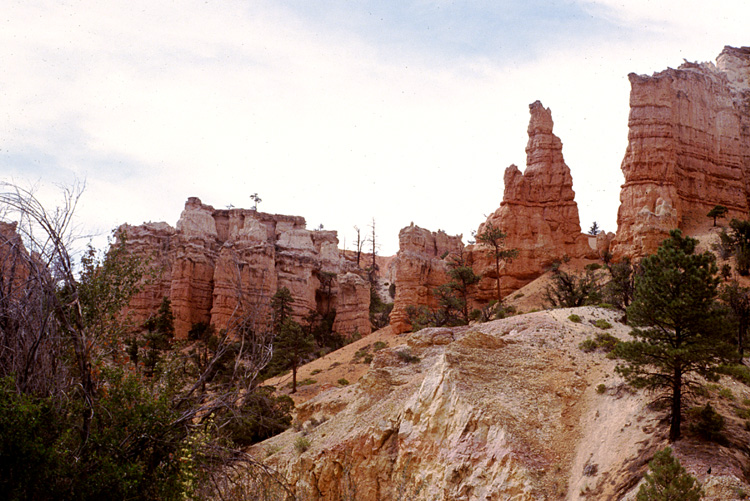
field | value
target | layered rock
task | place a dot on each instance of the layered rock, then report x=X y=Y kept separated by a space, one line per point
x=502 y=410
x=15 y=266
x=217 y=264
x=688 y=150
x=538 y=214
x=418 y=268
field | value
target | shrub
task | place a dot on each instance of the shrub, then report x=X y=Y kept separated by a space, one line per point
x=407 y=357
x=261 y=416
x=601 y=388
x=668 y=480
x=588 y=345
x=737 y=372
x=575 y=318
x=568 y=290
x=709 y=423
x=343 y=381
x=726 y=393
x=379 y=345
x=302 y=444
x=602 y=324
x=606 y=341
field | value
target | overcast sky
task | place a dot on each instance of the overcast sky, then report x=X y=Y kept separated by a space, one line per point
x=335 y=110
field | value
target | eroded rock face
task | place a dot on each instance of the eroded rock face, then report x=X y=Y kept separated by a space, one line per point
x=538 y=213
x=418 y=268
x=688 y=150
x=217 y=263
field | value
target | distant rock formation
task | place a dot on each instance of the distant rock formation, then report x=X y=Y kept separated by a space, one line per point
x=418 y=268
x=538 y=213
x=688 y=150
x=215 y=258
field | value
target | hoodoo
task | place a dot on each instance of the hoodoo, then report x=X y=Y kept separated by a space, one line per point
x=688 y=150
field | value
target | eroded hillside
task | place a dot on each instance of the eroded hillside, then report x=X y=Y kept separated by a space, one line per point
x=510 y=409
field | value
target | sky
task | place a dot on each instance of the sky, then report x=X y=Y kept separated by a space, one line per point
x=343 y=112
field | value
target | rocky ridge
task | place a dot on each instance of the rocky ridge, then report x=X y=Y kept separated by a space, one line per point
x=217 y=262
x=510 y=409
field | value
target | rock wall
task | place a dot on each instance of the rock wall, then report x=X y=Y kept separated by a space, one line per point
x=217 y=263
x=418 y=268
x=538 y=214
x=688 y=150
x=15 y=266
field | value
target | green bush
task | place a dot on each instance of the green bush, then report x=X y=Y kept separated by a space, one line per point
x=379 y=345
x=407 y=357
x=302 y=444
x=668 y=480
x=343 y=381
x=709 y=423
x=588 y=345
x=602 y=324
x=606 y=341
x=127 y=453
x=601 y=388
x=575 y=318
x=738 y=372
x=261 y=416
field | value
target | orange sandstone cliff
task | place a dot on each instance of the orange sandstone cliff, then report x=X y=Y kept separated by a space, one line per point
x=418 y=268
x=688 y=150
x=217 y=261
x=538 y=213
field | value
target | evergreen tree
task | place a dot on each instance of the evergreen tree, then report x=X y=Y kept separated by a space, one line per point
x=594 y=230
x=158 y=336
x=281 y=302
x=568 y=290
x=738 y=300
x=454 y=296
x=495 y=239
x=293 y=344
x=717 y=212
x=679 y=328
x=621 y=286
x=668 y=481
x=737 y=242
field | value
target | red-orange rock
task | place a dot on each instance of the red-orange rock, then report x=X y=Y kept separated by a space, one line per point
x=218 y=263
x=688 y=150
x=538 y=214
x=417 y=269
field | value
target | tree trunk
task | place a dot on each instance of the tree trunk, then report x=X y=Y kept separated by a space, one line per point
x=497 y=270
x=674 y=428
x=294 y=379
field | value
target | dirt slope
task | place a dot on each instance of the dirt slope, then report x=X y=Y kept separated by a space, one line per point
x=511 y=409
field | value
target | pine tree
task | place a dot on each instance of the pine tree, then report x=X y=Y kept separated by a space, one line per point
x=679 y=328
x=281 y=303
x=293 y=344
x=495 y=239
x=717 y=212
x=668 y=481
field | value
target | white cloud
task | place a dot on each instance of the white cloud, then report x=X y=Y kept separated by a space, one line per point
x=223 y=100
